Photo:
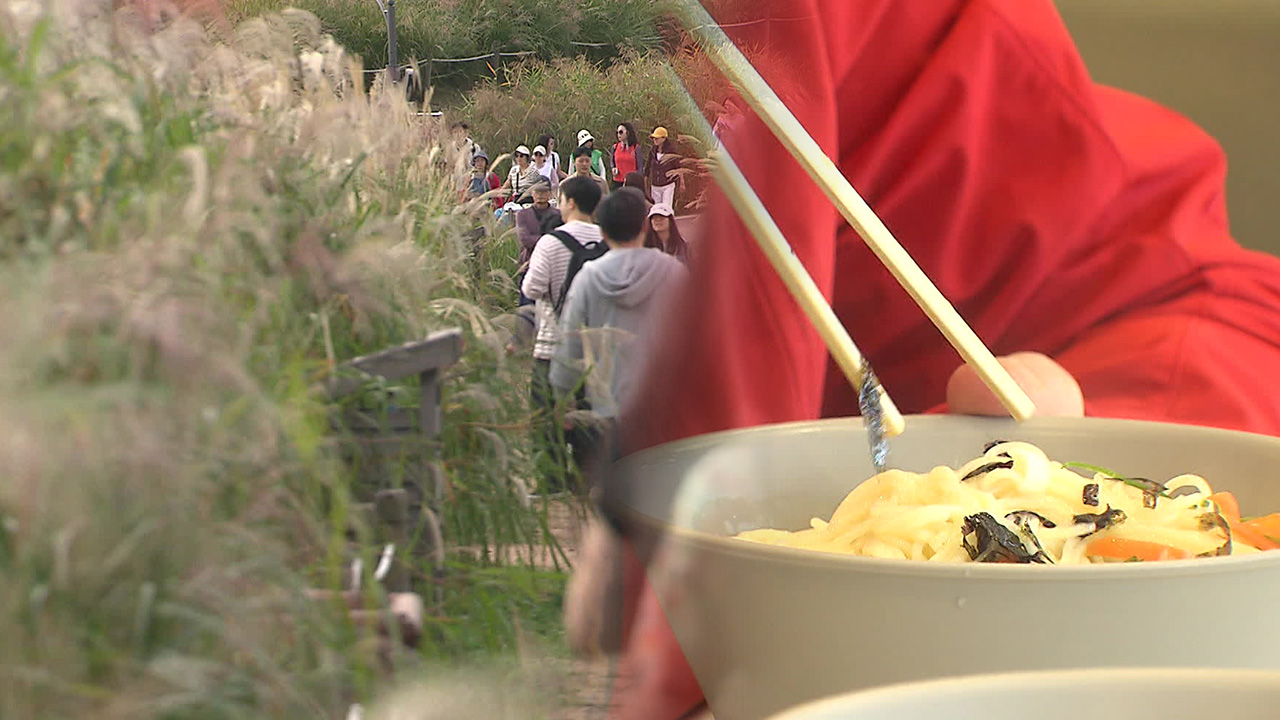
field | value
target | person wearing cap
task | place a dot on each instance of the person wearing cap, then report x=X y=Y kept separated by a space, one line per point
x=662 y=161
x=542 y=163
x=598 y=165
x=481 y=180
x=553 y=157
x=662 y=233
x=522 y=177
x=582 y=168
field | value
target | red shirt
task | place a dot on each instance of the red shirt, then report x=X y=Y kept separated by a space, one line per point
x=626 y=160
x=1057 y=215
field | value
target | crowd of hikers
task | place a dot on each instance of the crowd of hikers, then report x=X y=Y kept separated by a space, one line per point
x=600 y=250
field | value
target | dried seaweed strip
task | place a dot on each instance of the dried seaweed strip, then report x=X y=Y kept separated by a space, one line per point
x=983 y=470
x=992 y=446
x=1102 y=520
x=1026 y=515
x=1023 y=521
x=1089 y=496
x=1215 y=521
x=992 y=542
x=1151 y=490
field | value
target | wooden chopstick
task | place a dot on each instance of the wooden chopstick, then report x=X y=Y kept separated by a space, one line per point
x=806 y=150
x=793 y=273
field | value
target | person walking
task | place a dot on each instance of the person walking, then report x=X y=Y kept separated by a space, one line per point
x=532 y=223
x=543 y=165
x=582 y=168
x=627 y=156
x=662 y=162
x=662 y=233
x=463 y=144
x=599 y=165
x=553 y=156
x=481 y=181
x=546 y=283
x=608 y=316
x=522 y=177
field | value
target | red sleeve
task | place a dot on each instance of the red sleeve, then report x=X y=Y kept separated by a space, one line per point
x=495 y=182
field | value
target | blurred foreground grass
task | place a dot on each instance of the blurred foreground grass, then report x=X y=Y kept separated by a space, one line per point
x=193 y=233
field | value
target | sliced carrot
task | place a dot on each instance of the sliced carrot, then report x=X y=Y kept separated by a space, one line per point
x=1268 y=525
x=1257 y=532
x=1243 y=532
x=1227 y=505
x=1114 y=548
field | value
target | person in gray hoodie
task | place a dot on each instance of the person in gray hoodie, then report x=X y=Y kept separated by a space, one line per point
x=611 y=305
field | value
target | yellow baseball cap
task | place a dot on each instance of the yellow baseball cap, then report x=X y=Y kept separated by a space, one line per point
x=660 y=132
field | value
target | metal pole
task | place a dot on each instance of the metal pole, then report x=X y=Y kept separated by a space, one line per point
x=393 y=55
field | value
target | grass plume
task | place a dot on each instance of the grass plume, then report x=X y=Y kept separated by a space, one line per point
x=195 y=225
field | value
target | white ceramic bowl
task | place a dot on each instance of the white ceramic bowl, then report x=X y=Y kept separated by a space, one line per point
x=1101 y=694
x=767 y=628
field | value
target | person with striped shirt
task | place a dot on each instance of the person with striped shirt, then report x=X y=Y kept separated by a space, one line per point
x=544 y=284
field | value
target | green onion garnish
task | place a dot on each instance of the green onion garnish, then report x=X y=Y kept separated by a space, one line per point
x=1115 y=476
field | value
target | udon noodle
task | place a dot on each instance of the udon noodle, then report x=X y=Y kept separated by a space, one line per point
x=1014 y=504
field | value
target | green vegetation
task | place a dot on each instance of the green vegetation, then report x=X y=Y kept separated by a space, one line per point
x=590 y=64
x=599 y=30
x=196 y=230
x=194 y=234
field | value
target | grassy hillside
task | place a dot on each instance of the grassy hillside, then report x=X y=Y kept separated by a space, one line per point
x=599 y=30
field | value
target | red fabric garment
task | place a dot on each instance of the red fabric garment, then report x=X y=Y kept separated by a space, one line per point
x=1057 y=215
x=626 y=160
x=495 y=182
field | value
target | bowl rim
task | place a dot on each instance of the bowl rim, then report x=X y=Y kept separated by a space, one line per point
x=1076 y=680
x=725 y=545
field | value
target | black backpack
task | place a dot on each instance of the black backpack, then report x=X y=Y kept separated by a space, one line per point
x=582 y=254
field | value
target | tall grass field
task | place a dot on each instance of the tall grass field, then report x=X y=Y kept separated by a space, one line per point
x=197 y=226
